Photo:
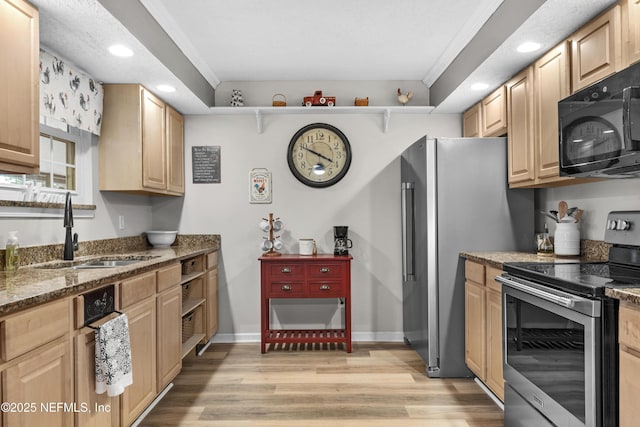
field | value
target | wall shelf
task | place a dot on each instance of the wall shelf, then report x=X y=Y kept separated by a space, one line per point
x=260 y=112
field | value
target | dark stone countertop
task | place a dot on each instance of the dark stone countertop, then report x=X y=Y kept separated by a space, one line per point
x=32 y=284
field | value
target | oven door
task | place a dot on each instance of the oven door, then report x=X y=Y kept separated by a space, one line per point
x=551 y=351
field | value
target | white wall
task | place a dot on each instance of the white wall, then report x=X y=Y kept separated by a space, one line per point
x=367 y=200
x=597 y=199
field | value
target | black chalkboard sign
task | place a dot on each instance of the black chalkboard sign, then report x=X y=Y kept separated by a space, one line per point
x=205 y=161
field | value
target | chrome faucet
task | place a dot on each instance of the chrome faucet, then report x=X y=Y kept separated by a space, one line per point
x=69 y=245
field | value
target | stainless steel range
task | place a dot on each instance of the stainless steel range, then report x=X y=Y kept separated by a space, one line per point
x=561 y=333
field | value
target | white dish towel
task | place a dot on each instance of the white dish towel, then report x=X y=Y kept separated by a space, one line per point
x=113 y=356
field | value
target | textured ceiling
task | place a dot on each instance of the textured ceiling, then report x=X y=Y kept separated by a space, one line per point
x=258 y=40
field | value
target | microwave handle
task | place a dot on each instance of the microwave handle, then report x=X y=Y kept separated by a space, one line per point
x=631 y=117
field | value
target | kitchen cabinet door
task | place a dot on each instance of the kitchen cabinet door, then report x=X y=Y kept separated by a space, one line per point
x=104 y=410
x=471 y=121
x=520 y=124
x=494 y=113
x=19 y=87
x=629 y=388
x=169 y=311
x=474 y=305
x=212 y=303
x=551 y=84
x=175 y=147
x=494 y=378
x=43 y=377
x=630 y=32
x=596 y=49
x=142 y=333
x=154 y=142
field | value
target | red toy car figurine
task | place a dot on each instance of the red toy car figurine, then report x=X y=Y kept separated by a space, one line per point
x=319 y=100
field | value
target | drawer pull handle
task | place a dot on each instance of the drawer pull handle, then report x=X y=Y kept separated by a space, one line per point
x=325 y=287
x=286 y=287
x=324 y=270
x=286 y=270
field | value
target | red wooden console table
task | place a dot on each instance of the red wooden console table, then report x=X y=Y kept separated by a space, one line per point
x=303 y=276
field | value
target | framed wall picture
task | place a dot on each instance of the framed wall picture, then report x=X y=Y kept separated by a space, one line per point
x=259 y=186
x=205 y=162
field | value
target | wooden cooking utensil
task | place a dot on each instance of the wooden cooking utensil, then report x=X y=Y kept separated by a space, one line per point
x=562 y=209
x=578 y=214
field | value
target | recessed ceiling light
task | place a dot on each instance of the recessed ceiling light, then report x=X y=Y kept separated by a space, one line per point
x=479 y=86
x=528 y=47
x=120 y=50
x=166 y=88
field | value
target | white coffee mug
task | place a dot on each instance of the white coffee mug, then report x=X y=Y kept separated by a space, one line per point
x=306 y=246
x=264 y=225
x=277 y=244
x=266 y=245
x=277 y=225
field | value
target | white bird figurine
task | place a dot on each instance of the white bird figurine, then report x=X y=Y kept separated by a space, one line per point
x=404 y=98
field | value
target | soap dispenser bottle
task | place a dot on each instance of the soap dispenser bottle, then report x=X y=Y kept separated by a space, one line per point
x=11 y=256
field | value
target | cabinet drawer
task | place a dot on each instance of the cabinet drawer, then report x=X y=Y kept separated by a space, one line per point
x=212 y=260
x=137 y=289
x=326 y=270
x=286 y=289
x=474 y=271
x=325 y=289
x=35 y=327
x=284 y=271
x=629 y=327
x=168 y=277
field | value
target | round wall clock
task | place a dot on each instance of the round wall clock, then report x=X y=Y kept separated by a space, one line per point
x=319 y=155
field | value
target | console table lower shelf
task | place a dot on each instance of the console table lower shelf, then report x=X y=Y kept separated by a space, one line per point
x=302 y=276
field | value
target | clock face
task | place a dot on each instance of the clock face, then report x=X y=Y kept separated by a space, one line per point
x=590 y=139
x=319 y=155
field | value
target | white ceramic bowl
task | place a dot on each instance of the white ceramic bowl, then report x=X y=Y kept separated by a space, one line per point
x=161 y=238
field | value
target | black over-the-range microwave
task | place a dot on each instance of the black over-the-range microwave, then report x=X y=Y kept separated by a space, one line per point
x=599 y=128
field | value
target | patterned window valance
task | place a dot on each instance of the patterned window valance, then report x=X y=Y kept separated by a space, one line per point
x=68 y=95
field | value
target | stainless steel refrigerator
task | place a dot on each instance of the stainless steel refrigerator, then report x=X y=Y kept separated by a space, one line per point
x=455 y=198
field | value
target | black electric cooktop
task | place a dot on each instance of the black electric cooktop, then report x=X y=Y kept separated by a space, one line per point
x=588 y=278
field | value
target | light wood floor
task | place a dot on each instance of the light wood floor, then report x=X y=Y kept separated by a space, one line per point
x=377 y=385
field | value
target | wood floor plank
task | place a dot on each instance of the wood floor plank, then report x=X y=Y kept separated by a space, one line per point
x=378 y=384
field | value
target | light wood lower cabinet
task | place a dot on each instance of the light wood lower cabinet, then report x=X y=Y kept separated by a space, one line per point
x=211 y=326
x=169 y=310
x=42 y=380
x=629 y=338
x=142 y=333
x=483 y=325
x=104 y=411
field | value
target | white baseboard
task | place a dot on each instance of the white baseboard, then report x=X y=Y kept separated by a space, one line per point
x=355 y=337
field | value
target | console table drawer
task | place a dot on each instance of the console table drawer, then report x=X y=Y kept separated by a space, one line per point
x=326 y=270
x=286 y=289
x=325 y=289
x=284 y=271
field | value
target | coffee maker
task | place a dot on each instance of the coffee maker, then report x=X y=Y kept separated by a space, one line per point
x=341 y=241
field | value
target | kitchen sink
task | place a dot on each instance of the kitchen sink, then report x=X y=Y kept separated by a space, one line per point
x=102 y=262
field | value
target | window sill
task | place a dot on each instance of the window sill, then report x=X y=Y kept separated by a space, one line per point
x=18 y=209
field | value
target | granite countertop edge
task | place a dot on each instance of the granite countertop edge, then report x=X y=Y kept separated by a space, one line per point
x=497 y=259
x=32 y=285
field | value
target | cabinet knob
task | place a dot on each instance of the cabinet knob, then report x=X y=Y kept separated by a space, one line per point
x=324 y=270
x=325 y=287
x=286 y=270
x=286 y=287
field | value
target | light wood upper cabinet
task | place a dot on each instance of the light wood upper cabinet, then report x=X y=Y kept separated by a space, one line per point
x=596 y=49
x=494 y=113
x=19 y=87
x=141 y=143
x=175 y=151
x=630 y=31
x=520 y=124
x=471 y=122
x=551 y=84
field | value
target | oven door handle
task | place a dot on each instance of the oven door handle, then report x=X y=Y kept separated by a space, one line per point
x=566 y=302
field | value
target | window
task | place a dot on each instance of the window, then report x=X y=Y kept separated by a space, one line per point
x=65 y=165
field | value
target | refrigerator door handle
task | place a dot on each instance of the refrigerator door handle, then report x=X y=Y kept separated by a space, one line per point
x=408 y=231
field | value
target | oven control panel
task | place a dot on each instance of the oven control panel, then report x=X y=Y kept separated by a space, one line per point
x=621 y=228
